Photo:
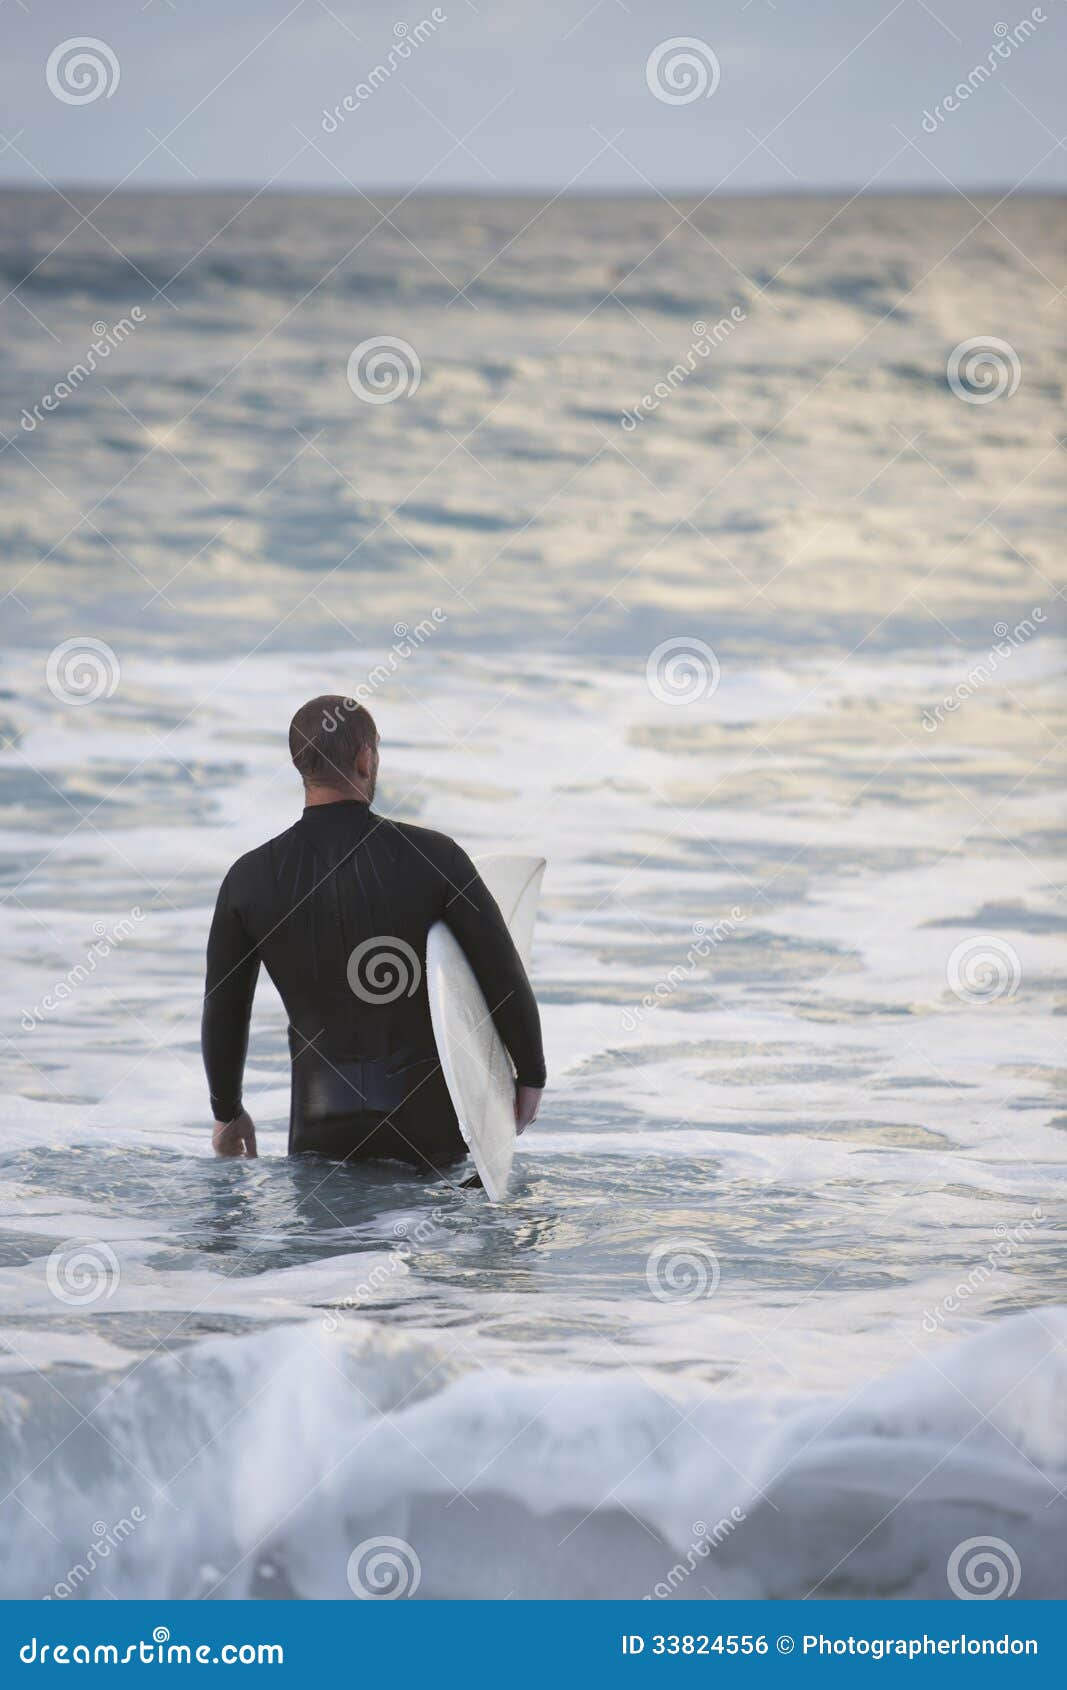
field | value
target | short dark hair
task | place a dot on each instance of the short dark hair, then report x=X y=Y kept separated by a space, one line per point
x=326 y=736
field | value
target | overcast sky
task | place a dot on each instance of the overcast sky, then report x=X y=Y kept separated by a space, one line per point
x=790 y=94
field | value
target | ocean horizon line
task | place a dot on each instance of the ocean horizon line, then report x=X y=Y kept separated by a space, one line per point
x=220 y=190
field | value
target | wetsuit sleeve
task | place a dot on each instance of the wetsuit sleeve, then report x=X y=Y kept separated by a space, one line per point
x=472 y=913
x=232 y=969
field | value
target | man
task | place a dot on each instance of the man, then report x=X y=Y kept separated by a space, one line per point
x=337 y=909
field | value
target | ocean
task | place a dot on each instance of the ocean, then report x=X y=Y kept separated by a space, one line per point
x=711 y=551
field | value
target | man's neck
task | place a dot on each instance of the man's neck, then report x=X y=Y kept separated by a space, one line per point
x=316 y=795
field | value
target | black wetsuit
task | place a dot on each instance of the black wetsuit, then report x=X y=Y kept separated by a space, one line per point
x=337 y=909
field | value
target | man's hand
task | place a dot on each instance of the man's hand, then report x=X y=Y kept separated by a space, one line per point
x=527 y=1103
x=236 y=1137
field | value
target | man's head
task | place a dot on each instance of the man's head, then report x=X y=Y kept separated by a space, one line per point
x=334 y=746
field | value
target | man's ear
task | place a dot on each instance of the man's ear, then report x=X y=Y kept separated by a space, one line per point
x=365 y=762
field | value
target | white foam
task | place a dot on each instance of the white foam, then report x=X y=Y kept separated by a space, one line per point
x=610 y=1478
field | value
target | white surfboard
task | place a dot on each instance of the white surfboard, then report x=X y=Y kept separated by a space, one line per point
x=477 y=1068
